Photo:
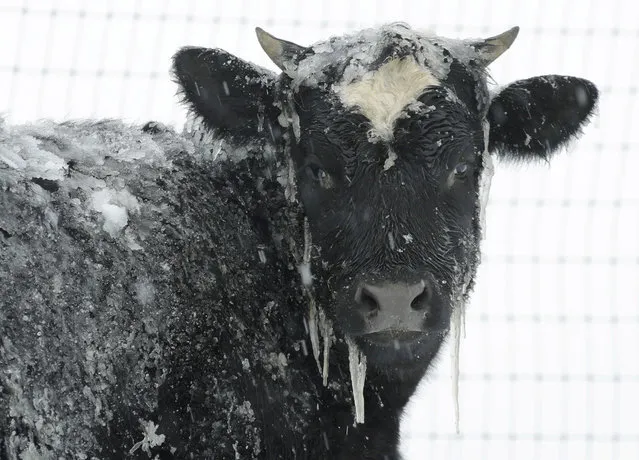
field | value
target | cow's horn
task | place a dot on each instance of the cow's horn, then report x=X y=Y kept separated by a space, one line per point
x=281 y=52
x=493 y=47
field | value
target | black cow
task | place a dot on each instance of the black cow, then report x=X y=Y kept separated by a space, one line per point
x=285 y=299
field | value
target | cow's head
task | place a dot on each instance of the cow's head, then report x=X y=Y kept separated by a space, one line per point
x=389 y=130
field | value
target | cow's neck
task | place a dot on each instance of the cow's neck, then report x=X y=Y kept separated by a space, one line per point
x=385 y=397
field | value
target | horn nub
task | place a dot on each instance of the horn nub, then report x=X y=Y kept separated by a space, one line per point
x=493 y=47
x=280 y=51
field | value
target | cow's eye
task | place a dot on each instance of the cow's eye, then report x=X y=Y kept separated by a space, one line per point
x=461 y=170
x=315 y=171
x=319 y=175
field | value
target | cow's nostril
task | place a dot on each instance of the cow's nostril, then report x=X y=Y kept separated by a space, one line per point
x=367 y=301
x=421 y=300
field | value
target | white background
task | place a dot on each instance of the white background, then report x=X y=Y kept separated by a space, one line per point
x=549 y=366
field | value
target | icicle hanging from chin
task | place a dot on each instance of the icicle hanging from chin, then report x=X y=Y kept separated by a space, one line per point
x=357 y=367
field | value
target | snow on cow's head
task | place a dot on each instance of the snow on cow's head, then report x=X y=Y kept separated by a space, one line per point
x=390 y=131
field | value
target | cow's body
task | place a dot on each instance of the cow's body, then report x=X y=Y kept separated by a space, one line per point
x=226 y=296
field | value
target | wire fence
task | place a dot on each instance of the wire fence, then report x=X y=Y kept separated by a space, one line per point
x=549 y=365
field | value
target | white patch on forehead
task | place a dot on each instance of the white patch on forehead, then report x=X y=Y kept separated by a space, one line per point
x=382 y=95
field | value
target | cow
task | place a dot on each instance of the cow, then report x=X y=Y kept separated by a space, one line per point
x=275 y=281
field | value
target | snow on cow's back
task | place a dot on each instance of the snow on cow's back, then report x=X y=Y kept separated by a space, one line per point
x=46 y=148
x=92 y=161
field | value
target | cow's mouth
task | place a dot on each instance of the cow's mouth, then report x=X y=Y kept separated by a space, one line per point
x=400 y=349
x=392 y=337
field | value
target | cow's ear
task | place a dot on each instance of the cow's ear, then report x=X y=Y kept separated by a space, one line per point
x=531 y=119
x=233 y=97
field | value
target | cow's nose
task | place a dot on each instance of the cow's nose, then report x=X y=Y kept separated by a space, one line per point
x=393 y=297
x=394 y=305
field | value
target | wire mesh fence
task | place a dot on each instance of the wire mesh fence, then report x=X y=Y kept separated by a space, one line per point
x=549 y=365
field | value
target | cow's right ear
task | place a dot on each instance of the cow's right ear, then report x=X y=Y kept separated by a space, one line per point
x=233 y=97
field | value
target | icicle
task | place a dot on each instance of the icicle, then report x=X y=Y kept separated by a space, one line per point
x=326 y=329
x=327 y=347
x=357 y=366
x=464 y=321
x=456 y=321
x=305 y=267
x=391 y=241
x=305 y=270
x=313 y=330
x=485 y=181
x=317 y=321
x=306 y=275
x=308 y=244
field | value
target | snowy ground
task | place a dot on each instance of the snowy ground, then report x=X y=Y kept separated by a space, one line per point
x=548 y=367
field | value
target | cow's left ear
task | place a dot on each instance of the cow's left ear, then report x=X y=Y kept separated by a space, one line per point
x=531 y=119
x=232 y=96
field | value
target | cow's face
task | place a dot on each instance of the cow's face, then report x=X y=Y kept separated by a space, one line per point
x=392 y=206
x=389 y=131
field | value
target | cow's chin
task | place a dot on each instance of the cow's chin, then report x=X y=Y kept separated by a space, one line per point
x=401 y=353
